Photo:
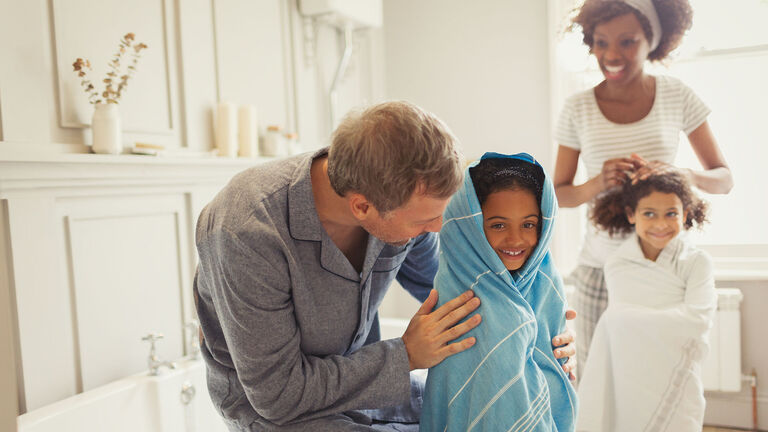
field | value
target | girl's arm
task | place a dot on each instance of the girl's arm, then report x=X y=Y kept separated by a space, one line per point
x=614 y=173
x=564 y=346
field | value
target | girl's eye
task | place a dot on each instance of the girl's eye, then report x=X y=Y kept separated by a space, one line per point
x=601 y=43
x=672 y=214
x=649 y=214
x=627 y=42
x=529 y=225
x=497 y=226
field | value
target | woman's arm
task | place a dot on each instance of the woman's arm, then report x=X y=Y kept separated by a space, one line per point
x=716 y=177
x=614 y=173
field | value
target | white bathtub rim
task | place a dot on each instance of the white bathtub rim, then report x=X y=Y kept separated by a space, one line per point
x=43 y=414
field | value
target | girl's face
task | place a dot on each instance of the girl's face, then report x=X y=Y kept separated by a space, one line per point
x=620 y=47
x=658 y=218
x=510 y=221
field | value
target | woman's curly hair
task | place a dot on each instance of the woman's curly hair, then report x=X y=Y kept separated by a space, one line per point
x=610 y=210
x=675 y=16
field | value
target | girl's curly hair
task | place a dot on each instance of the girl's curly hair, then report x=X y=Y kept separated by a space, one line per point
x=496 y=174
x=610 y=210
x=675 y=16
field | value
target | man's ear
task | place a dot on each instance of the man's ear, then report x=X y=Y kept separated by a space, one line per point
x=361 y=208
x=630 y=215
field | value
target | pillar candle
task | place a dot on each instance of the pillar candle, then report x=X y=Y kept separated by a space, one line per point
x=226 y=129
x=248 y=131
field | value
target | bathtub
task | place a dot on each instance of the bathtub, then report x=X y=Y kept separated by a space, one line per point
x=147 y=403
x=175 y=401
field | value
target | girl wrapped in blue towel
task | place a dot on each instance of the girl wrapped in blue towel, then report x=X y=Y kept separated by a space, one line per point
x=495 y=241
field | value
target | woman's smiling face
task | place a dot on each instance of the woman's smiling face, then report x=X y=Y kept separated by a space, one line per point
x=511 y=220
x=620 y=47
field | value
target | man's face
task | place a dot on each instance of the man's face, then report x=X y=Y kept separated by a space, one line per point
x=420 y=214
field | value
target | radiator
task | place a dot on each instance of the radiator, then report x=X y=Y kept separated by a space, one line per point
x=722 y=368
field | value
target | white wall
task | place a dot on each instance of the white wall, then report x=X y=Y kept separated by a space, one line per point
x=483 y=67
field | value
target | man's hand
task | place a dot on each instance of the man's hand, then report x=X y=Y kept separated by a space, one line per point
x=426 y=339
x=564 y=346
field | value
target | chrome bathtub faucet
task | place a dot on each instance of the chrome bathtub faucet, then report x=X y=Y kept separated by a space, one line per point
x=193 y=326
x=154 y=361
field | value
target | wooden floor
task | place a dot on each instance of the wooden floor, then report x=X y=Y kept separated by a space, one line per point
x=718 y=429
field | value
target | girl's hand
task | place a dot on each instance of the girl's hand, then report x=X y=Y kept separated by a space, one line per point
x=616 y=171
x=565 y=346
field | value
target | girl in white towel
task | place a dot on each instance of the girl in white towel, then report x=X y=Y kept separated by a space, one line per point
x=646 y=354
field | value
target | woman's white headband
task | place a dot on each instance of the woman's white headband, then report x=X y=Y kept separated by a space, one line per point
x=646 y=8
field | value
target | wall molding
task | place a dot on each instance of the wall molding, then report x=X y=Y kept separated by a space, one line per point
x=67 y=171
x=63 y=72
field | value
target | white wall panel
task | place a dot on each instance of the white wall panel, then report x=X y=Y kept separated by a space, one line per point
x=26 y=81
x=92 y=30
x=126 y=283
x=250 y=46
x=43 y=303
x=9 y=360
x=97 y=252
x=197 y=72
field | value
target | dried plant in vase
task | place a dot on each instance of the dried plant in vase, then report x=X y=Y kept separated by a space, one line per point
x=116 y=80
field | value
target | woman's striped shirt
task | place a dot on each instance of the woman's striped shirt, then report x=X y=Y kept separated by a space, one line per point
x=582 y=126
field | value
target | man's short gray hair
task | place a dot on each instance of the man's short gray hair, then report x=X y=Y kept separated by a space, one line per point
x=391 y=150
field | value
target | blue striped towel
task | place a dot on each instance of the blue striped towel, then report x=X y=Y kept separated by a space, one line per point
x=510 y=380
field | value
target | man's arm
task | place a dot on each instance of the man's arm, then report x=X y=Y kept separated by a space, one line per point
x=417 y=272
x=253 y=300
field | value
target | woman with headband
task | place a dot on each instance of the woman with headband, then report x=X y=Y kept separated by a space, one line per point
x=626 y=128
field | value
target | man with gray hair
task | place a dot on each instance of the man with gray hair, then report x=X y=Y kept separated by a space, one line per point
x=295 y=258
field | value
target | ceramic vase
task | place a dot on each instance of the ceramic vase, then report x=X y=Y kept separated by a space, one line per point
x=105 y=126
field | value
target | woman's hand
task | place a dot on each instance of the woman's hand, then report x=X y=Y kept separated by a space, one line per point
x=565 y=346
x=616 y=171
x=649 y=168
